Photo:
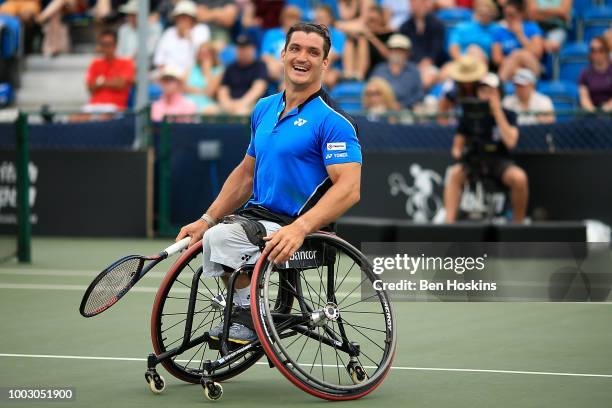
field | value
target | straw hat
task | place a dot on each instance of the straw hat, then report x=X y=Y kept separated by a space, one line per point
x=185 y=7
x=467 y=69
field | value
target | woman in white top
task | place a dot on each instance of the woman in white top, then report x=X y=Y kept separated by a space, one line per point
x=180 y=43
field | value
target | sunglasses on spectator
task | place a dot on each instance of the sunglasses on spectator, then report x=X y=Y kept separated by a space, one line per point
x=107 y=44
x=597 y=49
x=374 y=92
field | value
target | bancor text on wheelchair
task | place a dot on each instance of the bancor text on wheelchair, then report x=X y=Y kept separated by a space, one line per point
x=312 y=322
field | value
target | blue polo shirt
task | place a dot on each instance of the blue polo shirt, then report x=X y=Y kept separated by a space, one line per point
x=291 y=153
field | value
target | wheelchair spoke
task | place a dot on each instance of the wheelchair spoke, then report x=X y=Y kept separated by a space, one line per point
x=354 y=289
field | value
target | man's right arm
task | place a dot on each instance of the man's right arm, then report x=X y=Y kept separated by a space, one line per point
x=234 y=194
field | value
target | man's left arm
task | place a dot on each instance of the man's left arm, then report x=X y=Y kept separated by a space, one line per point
x=344 y=193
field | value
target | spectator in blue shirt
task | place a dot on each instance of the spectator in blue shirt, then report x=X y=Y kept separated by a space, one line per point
x=427 y=35
x=475 y=37
x=518 y=43
x=403 y=75
x=273 y=42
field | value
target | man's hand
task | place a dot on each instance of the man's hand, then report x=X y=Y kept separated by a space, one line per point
x=495 y=101
x=195 y=230
x=283 y=243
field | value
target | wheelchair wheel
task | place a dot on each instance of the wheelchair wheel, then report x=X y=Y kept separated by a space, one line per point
x=169 y=316
x=332 y=343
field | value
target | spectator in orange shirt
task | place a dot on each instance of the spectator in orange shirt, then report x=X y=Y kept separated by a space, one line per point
x=109 y=78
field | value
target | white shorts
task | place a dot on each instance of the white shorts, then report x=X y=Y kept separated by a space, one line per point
x=227 y=244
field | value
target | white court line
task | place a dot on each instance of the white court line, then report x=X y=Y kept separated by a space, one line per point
x=92 y=274
x=141 y=289
x=463 y=370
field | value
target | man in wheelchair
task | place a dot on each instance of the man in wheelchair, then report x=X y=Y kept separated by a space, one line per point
x=301 y=171
x=486 y=134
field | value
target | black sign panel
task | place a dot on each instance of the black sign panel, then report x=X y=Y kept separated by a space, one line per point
x=79 y=193
x=562 y=186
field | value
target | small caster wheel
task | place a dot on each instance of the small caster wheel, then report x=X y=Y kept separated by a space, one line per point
x=213 y=391
x=156 y=382
x=358 y=374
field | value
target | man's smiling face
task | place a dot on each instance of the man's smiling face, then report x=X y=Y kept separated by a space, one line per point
x=304 y=59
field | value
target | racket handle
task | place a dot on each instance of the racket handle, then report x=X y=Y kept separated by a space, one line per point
x=177 y=247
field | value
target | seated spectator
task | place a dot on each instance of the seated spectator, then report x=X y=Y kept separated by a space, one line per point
x=475 y=37
x=366 y=50
x=427 y=34
x=26 y=10
x=554 y=18
x=178 y=44
x=172 y=101
x=379 y=99
x=518 y=43
x=204 y=80
x=402 y=74
x=531 y=106
x=273 y=42
x=263 y=14
x=244 y=81
x=127 y=46
x=109 y=78
x=464 y=74
x=220 y=16
x=325 y=15
x=55 y=33
x=595 y=82
x=352 y=15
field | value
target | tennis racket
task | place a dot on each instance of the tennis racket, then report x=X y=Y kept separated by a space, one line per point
x=118 y=278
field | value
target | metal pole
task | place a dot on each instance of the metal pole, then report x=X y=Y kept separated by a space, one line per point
x=24 y=226
x=142 y=79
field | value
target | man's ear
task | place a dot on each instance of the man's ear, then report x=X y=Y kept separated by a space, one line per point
x=325 y=63
x=283 y=55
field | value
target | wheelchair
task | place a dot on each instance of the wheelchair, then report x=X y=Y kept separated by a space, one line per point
x=312 y=322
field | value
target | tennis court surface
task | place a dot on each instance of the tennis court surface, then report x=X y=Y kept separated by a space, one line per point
x=449 y=354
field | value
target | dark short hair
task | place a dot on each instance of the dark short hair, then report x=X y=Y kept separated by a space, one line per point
x=319 y=29
x=517 y=4
x=108 y=33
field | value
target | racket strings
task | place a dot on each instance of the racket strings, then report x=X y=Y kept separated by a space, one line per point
x=108 y=289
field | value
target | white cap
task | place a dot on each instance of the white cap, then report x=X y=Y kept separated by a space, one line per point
x=171 y=71
x=524 y=76
x=131 y=7
x=399 y=41
x=185 y=7
x=490 y=79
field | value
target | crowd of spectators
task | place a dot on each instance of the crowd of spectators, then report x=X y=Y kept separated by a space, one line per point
x=223 y=55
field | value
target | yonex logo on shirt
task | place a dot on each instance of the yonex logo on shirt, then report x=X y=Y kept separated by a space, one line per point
x=299 y=122
x=336 y=146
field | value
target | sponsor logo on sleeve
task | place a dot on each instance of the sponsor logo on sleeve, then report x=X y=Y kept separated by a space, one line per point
x=336 y=146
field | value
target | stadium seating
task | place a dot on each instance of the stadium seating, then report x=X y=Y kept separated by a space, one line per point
x=10 y=50
x=227 y=55
x=348 y=95
x=6 y=94
x=453 y=16
x=564 y=95
x=596 y=20
x=155 y=92
x=573 y=58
